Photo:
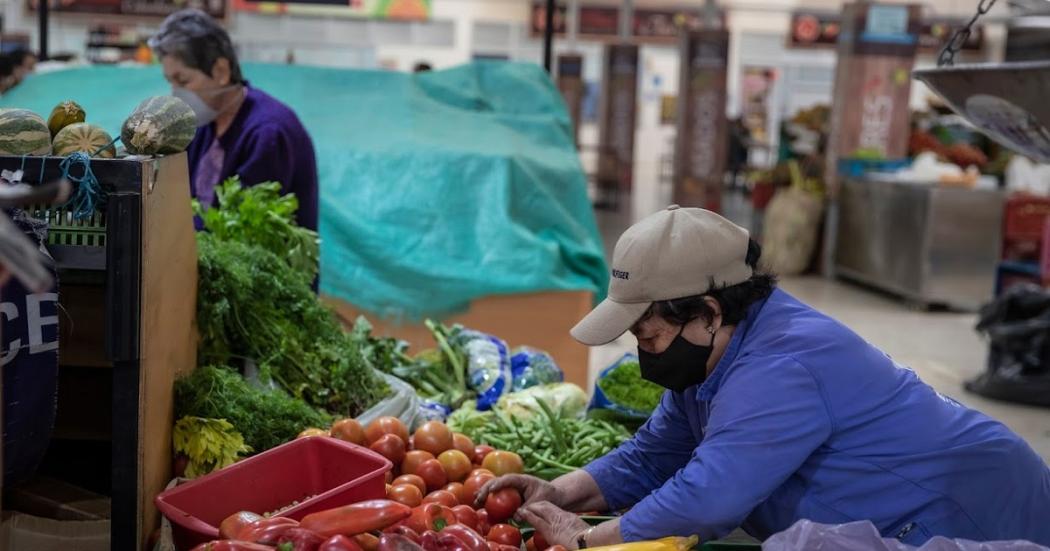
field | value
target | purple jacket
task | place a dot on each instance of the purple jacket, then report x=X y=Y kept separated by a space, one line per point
x=266 y=142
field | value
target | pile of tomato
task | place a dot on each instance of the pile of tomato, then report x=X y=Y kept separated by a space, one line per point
x=432 y=500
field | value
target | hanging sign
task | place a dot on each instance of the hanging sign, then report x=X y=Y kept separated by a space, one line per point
x=603 y=22
x=620 y=109
x=700 y=153
x=405 y=10
x=821 y=30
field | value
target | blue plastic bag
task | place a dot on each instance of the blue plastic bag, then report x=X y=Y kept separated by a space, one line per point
x=531 y=367
x=488 y=366
x=601 y=402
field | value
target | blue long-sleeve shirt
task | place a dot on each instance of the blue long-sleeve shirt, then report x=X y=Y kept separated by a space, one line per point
x=802 y=418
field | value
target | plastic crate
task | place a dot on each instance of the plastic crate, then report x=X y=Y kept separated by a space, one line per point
x=1023 y=217
x=64 y=230
x=320 y=472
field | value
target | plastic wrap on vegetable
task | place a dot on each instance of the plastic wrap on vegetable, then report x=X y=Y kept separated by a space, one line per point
x=566 y=399
x=620 y=393
x=531 y=367
x=488 y=366
x=430 y=410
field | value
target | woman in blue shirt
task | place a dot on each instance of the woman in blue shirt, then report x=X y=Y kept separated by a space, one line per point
x=774 y=413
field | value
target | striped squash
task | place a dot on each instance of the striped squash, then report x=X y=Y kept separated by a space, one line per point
x=63 y=115
x=159 y=126
x=84 y=137
x=23 y=132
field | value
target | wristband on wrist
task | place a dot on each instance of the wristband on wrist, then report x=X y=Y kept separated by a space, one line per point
x=581 y=541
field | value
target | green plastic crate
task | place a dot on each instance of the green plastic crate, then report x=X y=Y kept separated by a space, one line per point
x=64 y=230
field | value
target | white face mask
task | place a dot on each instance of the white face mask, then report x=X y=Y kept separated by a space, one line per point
x=204 y=112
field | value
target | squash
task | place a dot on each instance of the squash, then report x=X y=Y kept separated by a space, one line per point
x=63 y=115
x=23 y=132
x=88 y=138
x=160 y=125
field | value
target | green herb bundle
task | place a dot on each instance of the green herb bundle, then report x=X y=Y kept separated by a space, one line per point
x=438 y=374
x=260 y=215
x=252 y=304
x=265 y=418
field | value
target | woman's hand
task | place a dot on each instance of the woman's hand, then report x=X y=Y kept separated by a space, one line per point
x=557 y=526
x=532 y=489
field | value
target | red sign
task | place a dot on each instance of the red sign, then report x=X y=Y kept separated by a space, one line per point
x=604 y=21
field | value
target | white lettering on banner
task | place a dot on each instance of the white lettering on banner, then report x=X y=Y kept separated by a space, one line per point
x=36 y=322
x=875 y=122
x=10 y=311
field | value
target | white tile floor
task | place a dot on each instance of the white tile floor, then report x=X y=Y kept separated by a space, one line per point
x=941 y=347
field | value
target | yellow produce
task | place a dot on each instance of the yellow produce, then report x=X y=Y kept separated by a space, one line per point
x=662 y=544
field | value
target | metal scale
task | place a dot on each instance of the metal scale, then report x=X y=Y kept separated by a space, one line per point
x=1010 y=102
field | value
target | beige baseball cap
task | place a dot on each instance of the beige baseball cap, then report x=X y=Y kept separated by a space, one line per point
x=675 y=253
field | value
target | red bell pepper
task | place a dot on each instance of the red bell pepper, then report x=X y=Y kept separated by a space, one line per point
x=403 y=530
x=231 y=545
x=267 y=531
x=356 y=518
x=470 y=538
x=339 y=543
x=397 y=542
x=233 y=524
x=448 y=542
x=430 y=516
x=368 y=542
x=429 y=541
x=299 y=539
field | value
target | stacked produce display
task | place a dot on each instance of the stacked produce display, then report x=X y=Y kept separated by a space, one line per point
x=433 y=501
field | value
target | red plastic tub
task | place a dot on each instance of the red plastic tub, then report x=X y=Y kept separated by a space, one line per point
x=319 y=472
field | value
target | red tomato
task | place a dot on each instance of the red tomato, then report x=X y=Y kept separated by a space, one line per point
x=350 y=430
x=530 y=545
x=460 y=491
x=433 y=437
x=480 y=452
x=443 y=497
x=502 y=504
x=478 y=471
x=505 y=534
x=413 y=480
x=386 y=425
x=464 y=444
x=406 y=494
x=413 y=460
x=433 y=474
x=474 y=483
x=556 y=548
x=390 y=447
x=493 y=546
x=456 y=464
x=501 y=463
x=540 y=541
x=467 y=516
x=307 y=433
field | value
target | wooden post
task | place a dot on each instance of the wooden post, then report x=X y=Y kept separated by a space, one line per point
x=620 y=110
x=570 y=84
x=869 y=113
x=700 y=149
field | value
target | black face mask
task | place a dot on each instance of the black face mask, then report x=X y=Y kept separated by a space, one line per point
x=681 y=366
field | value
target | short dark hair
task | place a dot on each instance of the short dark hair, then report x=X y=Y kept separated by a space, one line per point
x=734 y=299
x=18 y=56
x=7 y=65
x=197 y=40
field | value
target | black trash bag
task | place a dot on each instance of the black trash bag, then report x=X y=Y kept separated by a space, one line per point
x=1017 y=325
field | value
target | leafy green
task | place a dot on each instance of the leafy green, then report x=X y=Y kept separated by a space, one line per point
x=209 y=444
x=266 y=418
x=252 y=304
x=438 y=374
x=260 y=215
x=625 y=386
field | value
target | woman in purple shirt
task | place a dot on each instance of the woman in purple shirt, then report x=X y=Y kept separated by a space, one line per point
x=241 y=131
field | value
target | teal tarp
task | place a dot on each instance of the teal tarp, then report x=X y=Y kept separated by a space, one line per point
x=436 y=188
